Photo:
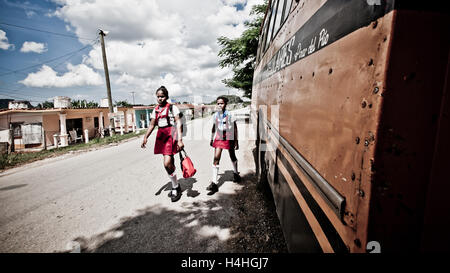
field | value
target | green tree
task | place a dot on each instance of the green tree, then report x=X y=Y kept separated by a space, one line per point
x=79 y=104
x=240 y=53
x=231 y=99
x=122 y=103
x=45 y=105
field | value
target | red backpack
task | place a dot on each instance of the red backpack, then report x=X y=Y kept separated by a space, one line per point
x=186 y=165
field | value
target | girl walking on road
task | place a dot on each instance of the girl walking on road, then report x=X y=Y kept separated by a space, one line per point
x=169 y=138
x=223 y=136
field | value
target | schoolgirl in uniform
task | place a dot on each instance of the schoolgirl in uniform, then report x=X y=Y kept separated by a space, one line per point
x=223 y=136
x=169 y=138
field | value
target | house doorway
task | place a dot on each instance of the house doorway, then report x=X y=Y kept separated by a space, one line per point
x=75 y=124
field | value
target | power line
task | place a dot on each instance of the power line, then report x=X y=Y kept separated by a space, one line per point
x=48 y=61
x=46 y=31
x=15 y=97
x=12 y=91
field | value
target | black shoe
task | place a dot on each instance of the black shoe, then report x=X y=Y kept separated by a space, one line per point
x=212 y=188
x=177 y=196
x=236 y=177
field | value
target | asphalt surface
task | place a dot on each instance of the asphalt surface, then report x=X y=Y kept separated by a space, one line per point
x=114 y=199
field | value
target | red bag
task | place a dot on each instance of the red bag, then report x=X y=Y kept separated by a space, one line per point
x=186 y=165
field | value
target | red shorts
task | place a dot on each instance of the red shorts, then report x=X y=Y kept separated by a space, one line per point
x=223 y=144
x=219 y=141
x=166 y=141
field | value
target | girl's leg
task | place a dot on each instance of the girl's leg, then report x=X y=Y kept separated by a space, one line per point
x=170 y=168
x=217 y=155
x=235 y=164
x=175 y=194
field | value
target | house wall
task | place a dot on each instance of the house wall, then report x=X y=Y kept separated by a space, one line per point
x=4 y=135
x=19 y=117
x=50 y=123
x=138 y=118
x=4 y=124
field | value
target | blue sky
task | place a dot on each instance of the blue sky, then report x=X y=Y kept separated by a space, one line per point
x=151 y=43
x=21 y=20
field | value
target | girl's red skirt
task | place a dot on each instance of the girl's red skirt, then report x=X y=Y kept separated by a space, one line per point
x=166 y=141
x=219 y=141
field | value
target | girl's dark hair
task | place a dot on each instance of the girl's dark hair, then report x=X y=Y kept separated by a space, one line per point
x=222 y=98
x=164 y=90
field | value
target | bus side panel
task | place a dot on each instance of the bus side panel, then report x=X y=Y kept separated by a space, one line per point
x=406 y=139
x=329 y=113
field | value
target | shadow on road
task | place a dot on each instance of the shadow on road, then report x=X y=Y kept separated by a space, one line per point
x=186 y=184
x=13 y=187
x=205 y=226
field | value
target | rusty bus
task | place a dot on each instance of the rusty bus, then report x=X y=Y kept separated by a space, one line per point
x=351 y=104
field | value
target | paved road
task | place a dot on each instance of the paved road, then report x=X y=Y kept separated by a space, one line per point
x=114 y=199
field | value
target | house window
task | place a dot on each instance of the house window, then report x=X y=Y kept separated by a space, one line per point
x=17 y=129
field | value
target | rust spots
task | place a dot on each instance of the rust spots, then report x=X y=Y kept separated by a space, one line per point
x=349 y=219
x=374 y=24
x=369 y=139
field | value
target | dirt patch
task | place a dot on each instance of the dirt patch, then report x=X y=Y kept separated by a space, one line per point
x=256 y=224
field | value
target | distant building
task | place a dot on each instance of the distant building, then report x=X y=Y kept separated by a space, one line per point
x=19 y=104
x=61 y=102
x=104 y=103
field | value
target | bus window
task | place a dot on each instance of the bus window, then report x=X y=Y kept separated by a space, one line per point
x=263 y=39
x=258 y=52
x=287 y=9
x=278 y=21
x=272 y=17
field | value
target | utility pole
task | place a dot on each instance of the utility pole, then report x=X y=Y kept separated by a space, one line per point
x=133 y=95
x=108 y=86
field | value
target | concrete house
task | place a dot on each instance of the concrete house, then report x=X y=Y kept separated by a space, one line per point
x=31 y=129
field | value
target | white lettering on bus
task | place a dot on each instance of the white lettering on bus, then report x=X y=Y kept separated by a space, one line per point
x=312 y=46
x=323 y=38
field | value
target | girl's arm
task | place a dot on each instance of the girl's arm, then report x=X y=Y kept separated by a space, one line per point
x=149 y=132
x=213 y=130
x=236 y=145
x=179 y=133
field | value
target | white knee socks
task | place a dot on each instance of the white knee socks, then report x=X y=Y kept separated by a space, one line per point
x=173 y=179
x=215 y=172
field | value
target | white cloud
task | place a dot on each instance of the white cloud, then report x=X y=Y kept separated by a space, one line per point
x=30 y=13
x=4 y=43
x=154 y=42
x=78 y=75
x=33 y=47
